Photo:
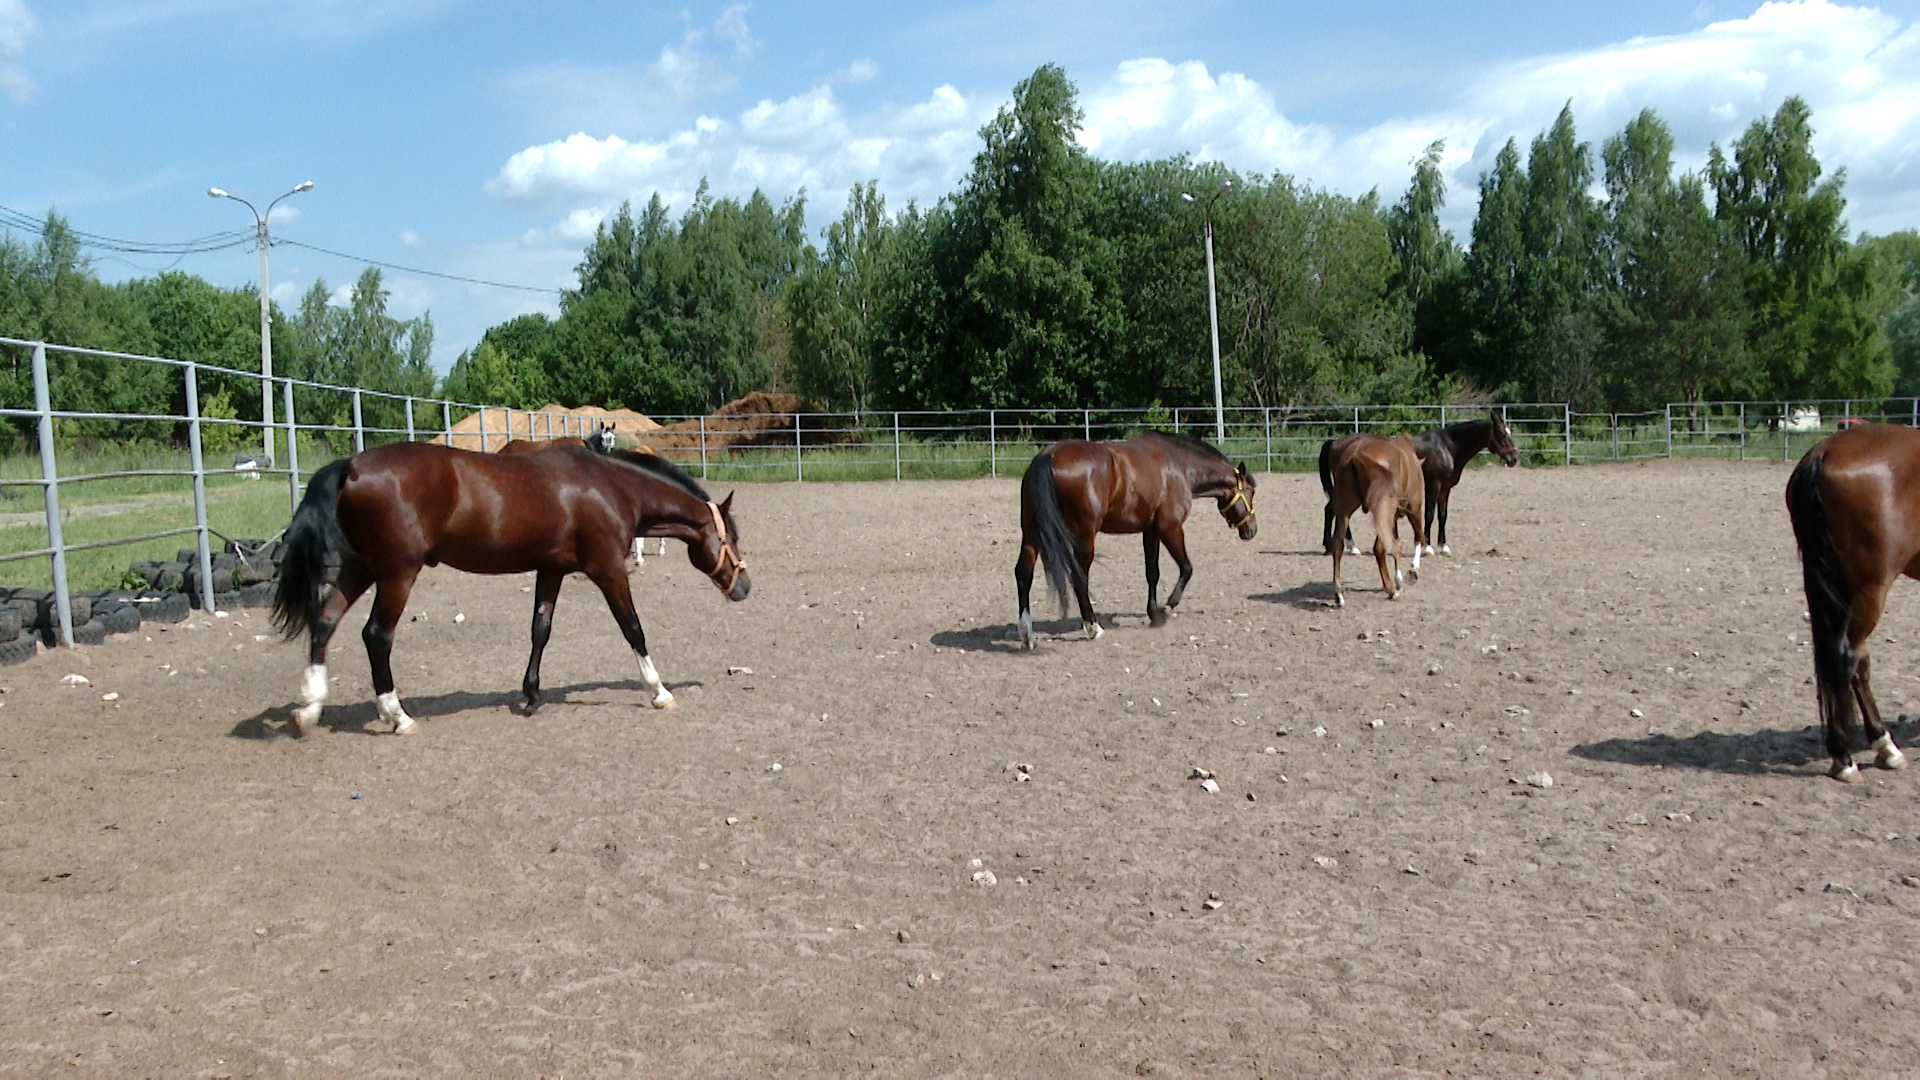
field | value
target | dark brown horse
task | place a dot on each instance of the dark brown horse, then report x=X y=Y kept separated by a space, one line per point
x=1381 y=475
x=1444 y=453
x=602 y=441
x=1855 y=504
x=386 y=512
x=1075 y=490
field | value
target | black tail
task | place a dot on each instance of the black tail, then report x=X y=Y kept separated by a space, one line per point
x=312 y=536
x=1829 y=596
x=1326 y=471
x=1059 y=549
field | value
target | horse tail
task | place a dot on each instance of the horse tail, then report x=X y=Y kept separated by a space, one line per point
x=312 y=537
x=1326 y=467
x=1060 y=550
x=1829 y=594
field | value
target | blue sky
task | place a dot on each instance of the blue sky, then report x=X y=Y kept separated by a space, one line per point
x=486 y=139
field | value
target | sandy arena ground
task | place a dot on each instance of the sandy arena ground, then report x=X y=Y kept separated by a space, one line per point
x=605 y=890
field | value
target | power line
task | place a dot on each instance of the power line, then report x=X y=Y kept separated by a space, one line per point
x=11 y=218
x=277 y=241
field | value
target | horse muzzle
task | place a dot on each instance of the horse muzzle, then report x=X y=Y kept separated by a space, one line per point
x=1248 y=528
x=742 y=585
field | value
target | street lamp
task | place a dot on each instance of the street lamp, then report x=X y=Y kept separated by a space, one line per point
x=1213 y=308
x=266 y=327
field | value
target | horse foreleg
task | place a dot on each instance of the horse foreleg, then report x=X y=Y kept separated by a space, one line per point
x=313 y=685
x=1156 y=615
x=546 y=590
x=1023 y=583
x=389 y=602
x=1446 y=493
x=1176 y=541
x=1089 y=623
x=620 y=601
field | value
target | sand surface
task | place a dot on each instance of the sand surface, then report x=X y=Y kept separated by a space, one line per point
x=606 y=890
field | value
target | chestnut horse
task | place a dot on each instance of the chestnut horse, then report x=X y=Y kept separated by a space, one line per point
x=1444 y=453
x=386 y=512
x=1075 y=490
x=1855 y=504
x=1383 y=476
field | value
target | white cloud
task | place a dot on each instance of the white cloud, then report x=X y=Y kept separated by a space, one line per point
x=617 y=96
x=283 y=215
x=409 y=238
x=859 y=71
x=16 y=26
x=1858 y=68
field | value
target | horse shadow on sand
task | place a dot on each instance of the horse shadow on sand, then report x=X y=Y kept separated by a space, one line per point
x=1766 y=751
x=357 y=717
x=1005 y=637
x=1307 y=596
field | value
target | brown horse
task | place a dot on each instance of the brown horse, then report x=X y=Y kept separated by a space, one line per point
x=1444 y=453
x=1855 y=504
x=1381 y=475
x=1074 y=490
x=386 y=512
x=602 y=441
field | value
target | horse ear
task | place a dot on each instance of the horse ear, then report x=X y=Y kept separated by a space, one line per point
x=726 y=503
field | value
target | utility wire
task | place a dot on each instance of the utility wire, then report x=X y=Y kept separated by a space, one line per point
x=277 y=241
x=11 y=218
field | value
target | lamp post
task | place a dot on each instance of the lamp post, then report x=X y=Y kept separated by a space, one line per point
x=266 y=325
x=1213 y=308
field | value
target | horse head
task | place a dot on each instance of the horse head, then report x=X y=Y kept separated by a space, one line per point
x=602 y=440
x=1242 y=497
x=1500 y=441
x=717 y=555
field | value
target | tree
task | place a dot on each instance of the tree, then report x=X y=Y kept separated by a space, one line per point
x=1811 y=295
x=833 y=305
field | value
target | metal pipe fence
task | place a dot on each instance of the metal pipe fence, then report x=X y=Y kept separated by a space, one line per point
x=319 y=421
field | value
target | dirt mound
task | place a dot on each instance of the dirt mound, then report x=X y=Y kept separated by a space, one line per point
x=491 y=428
x=758 y=419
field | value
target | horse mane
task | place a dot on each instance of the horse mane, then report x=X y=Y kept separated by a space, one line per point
x=1194 y=443
x=655 y=465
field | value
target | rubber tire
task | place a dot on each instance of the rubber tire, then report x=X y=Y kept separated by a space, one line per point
x=19 y=650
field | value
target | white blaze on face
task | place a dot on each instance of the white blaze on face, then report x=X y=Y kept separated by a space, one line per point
x=662 y=699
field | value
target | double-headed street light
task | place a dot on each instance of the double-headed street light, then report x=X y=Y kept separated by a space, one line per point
x=266 y=327
x=1213 y=307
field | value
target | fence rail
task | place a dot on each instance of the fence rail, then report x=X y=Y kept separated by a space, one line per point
x=321 y=420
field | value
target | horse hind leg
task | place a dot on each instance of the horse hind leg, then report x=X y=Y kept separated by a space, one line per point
x=1023 y=584
x=313 y=683
x=1089 y=622
x=389 y=602
x=1386 y=524
x=1886 y=753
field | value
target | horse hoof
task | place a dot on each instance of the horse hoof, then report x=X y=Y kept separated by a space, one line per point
x=304 y=718
x=1847 y=773
x=408 y=728
x=1157 y=617
x=1887 y=755
x=1445 y=549
x=1094 y=630
x=1413 y=574
x=664 y=701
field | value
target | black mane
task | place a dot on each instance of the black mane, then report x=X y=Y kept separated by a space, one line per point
x=656 y=465
x=1194 y=443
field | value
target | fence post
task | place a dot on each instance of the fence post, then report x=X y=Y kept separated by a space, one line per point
x=896 y=446
x=409 y=418
x=50 y=481
x=993 y=450
x=1669 y=422
x=1266 y=415
x=1613 y=424
x=483 y=429
x=703 y=446
x=1915 y=422
x=1443 y=416
x=446 y=421
x=799 y=472
x=1356 y=419
x=204 y=559
x=1086 y=424
x=293 y=446
x=359 y=433
x=1567 y=419
x=1743 y=431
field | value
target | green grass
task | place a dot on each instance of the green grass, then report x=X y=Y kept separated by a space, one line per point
x=254 y=510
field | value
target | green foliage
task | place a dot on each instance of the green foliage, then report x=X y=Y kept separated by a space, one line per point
x=217 y=439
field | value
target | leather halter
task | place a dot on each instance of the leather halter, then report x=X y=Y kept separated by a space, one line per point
x=1239 y=496
x=729 y=556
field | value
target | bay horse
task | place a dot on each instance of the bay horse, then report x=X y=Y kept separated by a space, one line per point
x=602 y=441
x=1855 y=504
x=1445 y=453
x=1382 y=475
x=386 y=512
x=1075 y=490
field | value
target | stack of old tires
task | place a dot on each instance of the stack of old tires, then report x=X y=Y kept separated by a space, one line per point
x=243 y=576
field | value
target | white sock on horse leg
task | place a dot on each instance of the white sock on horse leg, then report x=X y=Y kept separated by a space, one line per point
x=388 y=706
x=662 y=699
x=313 y=694
x=1887 y=755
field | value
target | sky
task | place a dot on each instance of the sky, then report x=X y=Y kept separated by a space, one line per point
x=486 y=138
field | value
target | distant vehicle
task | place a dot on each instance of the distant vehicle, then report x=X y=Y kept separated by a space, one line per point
x=1851 y=422
x=248 y=465
x=1804 y=418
